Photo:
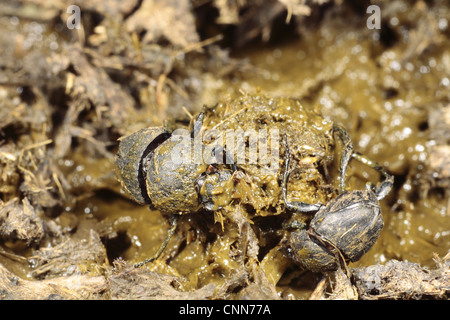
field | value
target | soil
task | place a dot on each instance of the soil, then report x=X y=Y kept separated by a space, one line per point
x=68 y=229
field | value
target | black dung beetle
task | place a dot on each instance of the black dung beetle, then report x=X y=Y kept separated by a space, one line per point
x=342 y=230
x=153 y=169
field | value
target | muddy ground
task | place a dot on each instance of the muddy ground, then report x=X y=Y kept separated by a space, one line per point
x=67 y=228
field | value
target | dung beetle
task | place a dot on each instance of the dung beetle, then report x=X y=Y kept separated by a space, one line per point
x=342 y=230
x=150 y=169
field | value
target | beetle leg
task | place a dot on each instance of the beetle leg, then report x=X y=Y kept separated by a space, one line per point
x=173 y=226
x=386 y=185
x=347 y=153
x=294 y=206
x=197 y=125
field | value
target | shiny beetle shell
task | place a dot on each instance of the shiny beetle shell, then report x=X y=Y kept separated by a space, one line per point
x=133 y=150
x=350 y=223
